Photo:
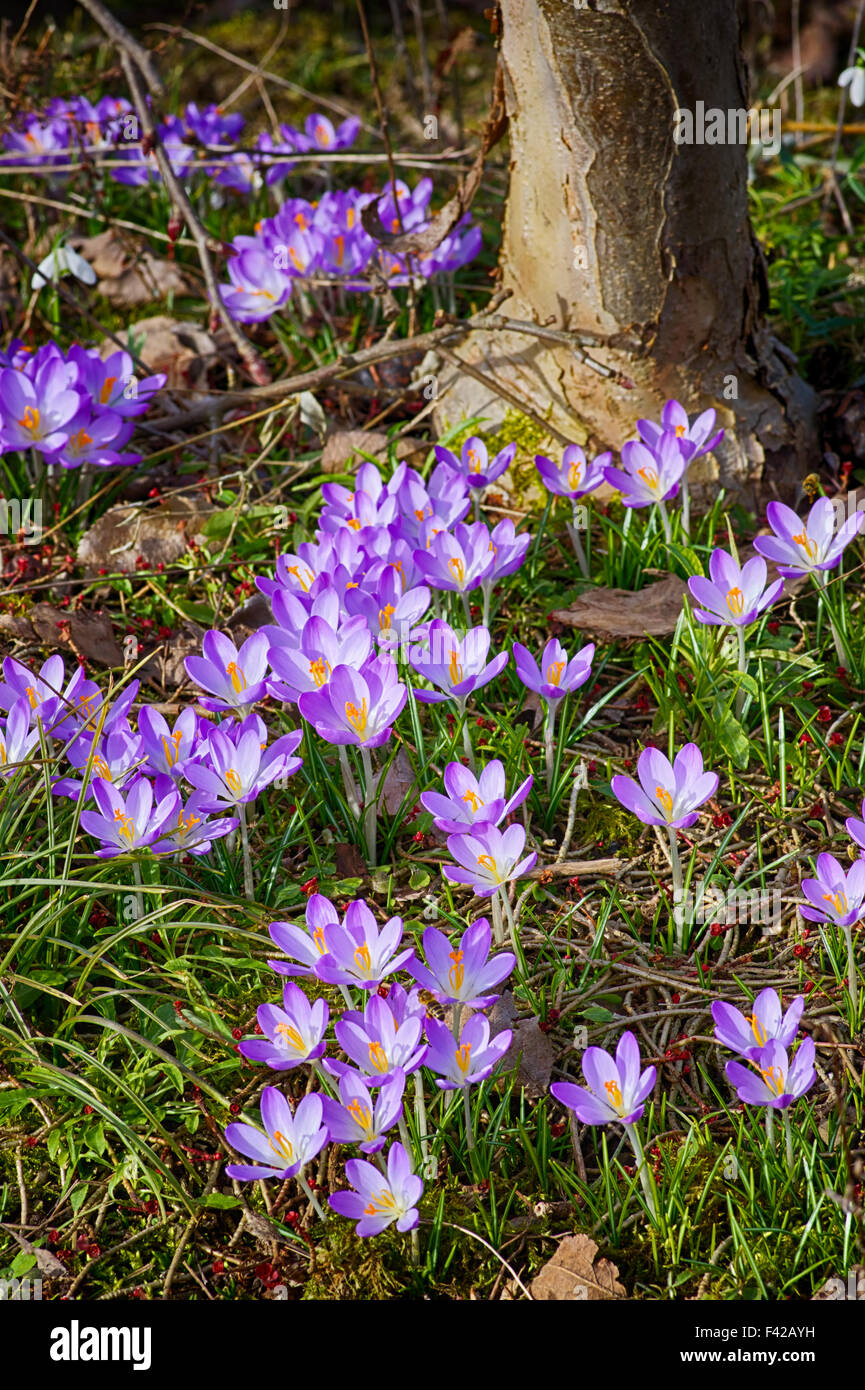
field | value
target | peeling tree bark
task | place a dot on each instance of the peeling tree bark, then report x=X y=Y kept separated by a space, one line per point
x=614 y=229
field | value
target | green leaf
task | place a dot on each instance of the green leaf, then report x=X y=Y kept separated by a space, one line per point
x=221 y=1200
x=419 y=877
x=733 y=739
x=23 y=1261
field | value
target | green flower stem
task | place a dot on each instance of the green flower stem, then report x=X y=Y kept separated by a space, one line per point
x=512 y=926
x=422 y=1123
x=852 y=977
x=665 y=522
x=467 y=1111
x=550 y=743
x=743 y=669
x=788 y=1141
x=370 y=821
x=351 y=793
x=770 y=1127
x=574 y=533
x=139 y=900
x=248 y=882
x=686 y=506
x=310 y=1195
x=498 y=921
x=646 y=1179
x=678 y=889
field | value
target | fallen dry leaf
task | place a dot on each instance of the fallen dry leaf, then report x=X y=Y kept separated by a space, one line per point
x=342 y=447
x=90 y=635
x=532 y=1053
x=349 y=862
x=610 y=613
x=184 y=351
x=128 y=278
x=576 y=1273
x=398 y=782
x=158 y=535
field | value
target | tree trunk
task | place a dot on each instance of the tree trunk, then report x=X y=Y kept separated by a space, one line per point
x=615 y=229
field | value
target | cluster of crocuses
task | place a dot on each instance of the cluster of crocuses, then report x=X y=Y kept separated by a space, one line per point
x=327 y=239
x=669 y=795
x=71 y=408
x=170 y=790
x=389 y=1038
x=71 y=126
x=617 y=1090
x=654 y=467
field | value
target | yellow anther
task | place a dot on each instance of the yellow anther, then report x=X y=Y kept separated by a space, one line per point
x=378 y=1056
x=286 y=1030
x=238 y=679
x=362 y=958
x=736 y=602
x=357 y=717
x=808 y=545
x=554 y=672
x=456 y=974
x=665 y=799
x=232 y=780
x=473 y=800
x=614 y=1094
x=455 y=669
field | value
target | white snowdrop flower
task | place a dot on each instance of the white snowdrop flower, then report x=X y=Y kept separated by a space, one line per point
x=63 y=261
x=854 y=78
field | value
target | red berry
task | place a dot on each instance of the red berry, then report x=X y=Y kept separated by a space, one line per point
x=237 y=1032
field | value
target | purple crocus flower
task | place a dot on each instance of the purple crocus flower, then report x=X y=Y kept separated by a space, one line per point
x=458 y=562
x=574 y=477
x=778 y=1081
x=835 y=896
x=290 y=1142
x=257 y=287
x=472 y=1059
x=43 y=692
x=489 y=858
x=236 y=767
x=473 y=462
x=115 y=757
x=457 y=666
x=127 y=824
x=357 y=707
x=386 y=607
x=508 y=549
x=359 y=1118
x=378 y=1201
x=694 y=439
x=111 y=382
x=292 y=1034
x=358 y=953
x=733 y=594
x=558 y=674
x=321 y=135
x=98 y=442
x=377 y=1043
x=305 y=945
x=235 y=678
x=167 y=748
x=193 y=832
x=40 y=412
x=310 y=666
x=856 y=829
x=667 y=794
x=767 y=1022
x=650 y=475
x=616 y=1090
x=473 y=801
x=801 y=547
x=17 y=739
x=463 y=974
